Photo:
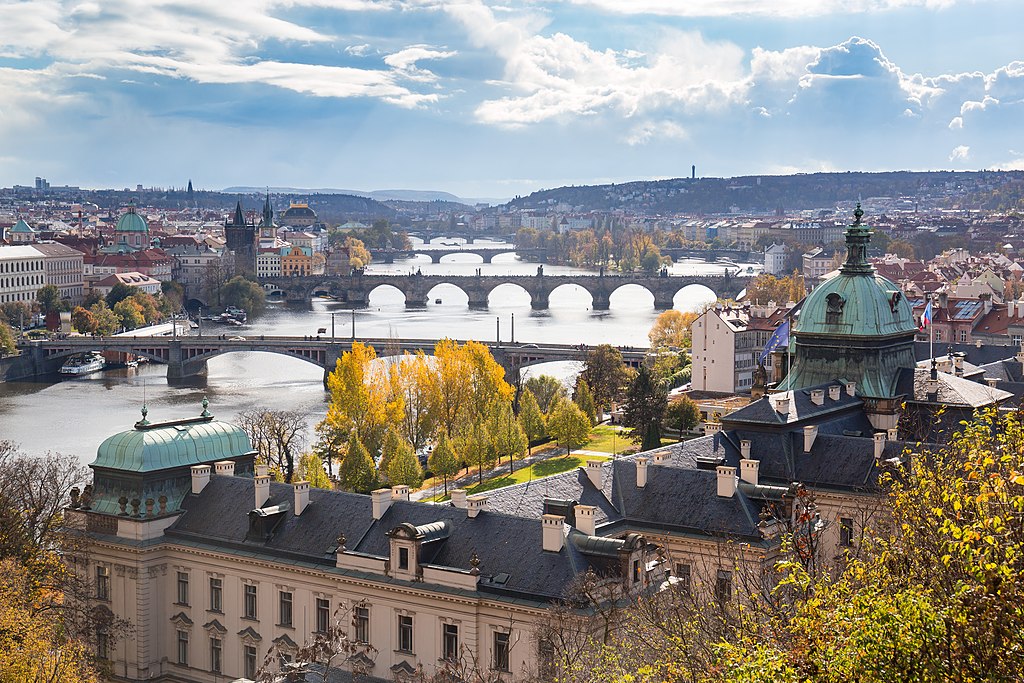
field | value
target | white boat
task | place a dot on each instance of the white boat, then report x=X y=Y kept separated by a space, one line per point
x=84 y=364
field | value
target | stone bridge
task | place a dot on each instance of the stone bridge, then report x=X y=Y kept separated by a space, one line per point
x=436 y=254
x=187 y=356
x=355 y=290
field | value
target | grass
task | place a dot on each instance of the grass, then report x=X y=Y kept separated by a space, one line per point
x=538 y=470
x=613 y=439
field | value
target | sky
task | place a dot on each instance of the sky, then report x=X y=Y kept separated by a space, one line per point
x=493 y=98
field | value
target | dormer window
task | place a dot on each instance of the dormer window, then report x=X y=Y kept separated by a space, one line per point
x=834 y=304
x=403 y=558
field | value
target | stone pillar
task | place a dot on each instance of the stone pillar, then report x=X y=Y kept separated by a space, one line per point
x=477 y=297
x=435 y=257
x=539 y=300
x=602 y=300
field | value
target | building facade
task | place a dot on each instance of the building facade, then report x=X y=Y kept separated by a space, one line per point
x=64 y=268
x=727 y=344
x=22 y=273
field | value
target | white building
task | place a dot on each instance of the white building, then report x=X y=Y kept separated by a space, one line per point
x=727 y=344
x=22 y=273
x=268 y=264
x=64 y=268
x=775 y=259
x=137 y=280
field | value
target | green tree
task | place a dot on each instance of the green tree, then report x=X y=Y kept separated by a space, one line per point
x=119 y=293
x=7 y=343
x=356 y=471
x=443 y=460
x=311 y=468
x=49 y=299
x=531 y=418
x=584 y=398
x=244 y=294
x=509 y=438
x=404 y=467
x=606 y=375
x=646 y=401
x=682 y=414
x=148 y=303
x=475 y=443
x=129 y=314
x=545 y=389
x=107 y=322
x=16 y=313
x=174 y=293
x=568 y=425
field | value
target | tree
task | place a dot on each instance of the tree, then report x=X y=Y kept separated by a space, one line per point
x=411 y=380
x=404 y=468
x=119 y=293
x=174 y=293
x=358 y=255
x=361 y=398
x=16 y=313
x=148 y=305
x=509 y=438
x=83 y=321
x=682 y=415
x=129 y=314
x=107 y=322
x=244 y=294
x=646 y=402
x=671 y=329
x=568 y=425
x=443 y=460
x=584 y=398
x=545 y=389
x=7 y=343
x=606 y=375
x=278 y=436
x=356 y=471
x=49 y=299
x=531 y=418
x=311 y=468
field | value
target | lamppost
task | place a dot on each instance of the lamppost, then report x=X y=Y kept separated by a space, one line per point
x=353 y=324
x=513 y=328
x=497 y=329
x=332 y=325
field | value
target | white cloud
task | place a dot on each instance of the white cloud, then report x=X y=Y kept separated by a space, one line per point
x=655 y=130
x=778 y=8
x=956 y=123
x=358 y=50
x=959 y=153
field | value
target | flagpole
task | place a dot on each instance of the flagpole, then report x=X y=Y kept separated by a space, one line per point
x=931 y=332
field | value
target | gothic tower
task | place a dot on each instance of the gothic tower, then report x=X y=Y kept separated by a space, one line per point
x=242 y=239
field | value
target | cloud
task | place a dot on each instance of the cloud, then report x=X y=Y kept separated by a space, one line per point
x=956 y=123
x=404 y=61
x=779 y=8
x=959 y=153
x=660 y=130
x=358 y=50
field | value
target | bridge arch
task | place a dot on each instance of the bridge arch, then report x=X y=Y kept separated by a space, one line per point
x=634 y=295
x=513 y=291
x=386 y=294
x=157 y=355
x=693 y=297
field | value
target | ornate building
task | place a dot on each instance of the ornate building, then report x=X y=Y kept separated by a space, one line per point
x=242 y=239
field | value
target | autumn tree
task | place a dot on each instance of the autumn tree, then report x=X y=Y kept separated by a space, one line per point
x=83 y=320
x=356 y=472
x=509 y=438
x=584 y=398
x=361 y=398
x=7 y=342
x=410 y=379
x=671 y=329
x=545 y=389
x=568 y=425
x=311 y=469
x=129 y=314
x=107 y=322
x=278 y=437
x=646 y=401
x=606 y=374
x=443 y=460
x=682 y=415
x=531 y=418
x=358 y=255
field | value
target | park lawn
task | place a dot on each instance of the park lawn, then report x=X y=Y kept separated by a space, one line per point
x=613 y=439
x=538 y=470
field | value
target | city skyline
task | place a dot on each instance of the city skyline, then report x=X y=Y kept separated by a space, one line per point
x=492 y=100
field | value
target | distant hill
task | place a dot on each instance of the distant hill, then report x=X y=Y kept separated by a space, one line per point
x=379 y=195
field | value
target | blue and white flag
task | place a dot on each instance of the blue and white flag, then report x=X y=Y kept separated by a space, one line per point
x=779 y=338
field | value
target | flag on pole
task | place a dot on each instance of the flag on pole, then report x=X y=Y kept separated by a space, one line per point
x=926 y=317
x=779 y=338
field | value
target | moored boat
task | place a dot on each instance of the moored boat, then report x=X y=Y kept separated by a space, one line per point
x=84 y=364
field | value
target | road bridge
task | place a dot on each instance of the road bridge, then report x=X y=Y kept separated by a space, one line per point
x=187 y=356
x=436 y=254
x=355 y=289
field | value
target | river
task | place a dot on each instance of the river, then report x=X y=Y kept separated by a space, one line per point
x=75 y=415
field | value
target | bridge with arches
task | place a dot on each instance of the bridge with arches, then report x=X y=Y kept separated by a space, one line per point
x=436 y=254
x=355 y=290
x=187 y=356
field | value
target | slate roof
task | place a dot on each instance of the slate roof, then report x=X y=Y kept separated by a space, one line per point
x=801 y=408
x=952 y=390
x=527 y=499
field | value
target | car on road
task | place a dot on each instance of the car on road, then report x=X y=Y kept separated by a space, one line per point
x=236 y=339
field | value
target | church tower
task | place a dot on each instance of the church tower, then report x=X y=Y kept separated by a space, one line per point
x=241 y=238
x=268 y=231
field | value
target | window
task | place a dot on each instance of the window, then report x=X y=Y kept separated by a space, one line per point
x=183 y=648
x=250 y=601
x=723 y=586
x=546 y=659
x=683 y=576
x=403 y=558
x=845 y=532
x=636 y=571
x=249 y=661
x=963 y=336
x=103 y=583
x=404 y=633
x=450 y=642
x=102 y=644
x=284 y=608
x=501 y=643
x=216 y=652
x=323 y=615
x=216 y=593
x=182 y=588
x=362 y=619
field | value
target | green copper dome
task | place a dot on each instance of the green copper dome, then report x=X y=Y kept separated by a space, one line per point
x=131 y=222
x=166 y=445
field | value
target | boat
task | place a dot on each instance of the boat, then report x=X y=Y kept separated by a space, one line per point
x=84 y=364
x=235 y=314
x=131 y=363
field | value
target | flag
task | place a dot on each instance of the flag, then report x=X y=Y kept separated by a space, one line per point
x=779 y=338
x=926 y=317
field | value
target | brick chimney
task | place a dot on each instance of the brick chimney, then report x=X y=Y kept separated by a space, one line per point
x=818 y=397
x=301 y=496
x=552 y=532
x=595 y=472
x=726 y=481
x=262 y=489
x=200 y=478
x=459 y=498
x=810 y=434
x=879 y=440
x=380 y=500
x=224 y=468
x=833 y=391
x=641 y=472
x=475 y=505
x=585 y=521
x=748 y=470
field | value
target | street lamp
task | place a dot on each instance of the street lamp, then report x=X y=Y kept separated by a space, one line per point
x=334 y=313
x=353 y=324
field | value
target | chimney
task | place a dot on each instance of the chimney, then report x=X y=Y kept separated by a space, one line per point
x=712 y=427
x=585 y=522
x=833 y=391
x=851 y=388
x=301 y=496
x=879 y=438
x=262 y=490
x=595 y=473
x=818 y=397
x=748 y=470
x=744 y=448
x=476 y=505
x=991 y=381
x=893 y=434
x=262 y=471
x=552 y=532
x=381 y=501
x=726 y=481
x=200 y=478
x=1011 y=308
x=641 y=472
x=400 y=492
x=782 y=404
x=658 y=458
x=224 y=468
x=810 y=434
x=958 y=364
x=459 y=498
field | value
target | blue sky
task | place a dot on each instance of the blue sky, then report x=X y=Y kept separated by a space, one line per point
x=492 y=98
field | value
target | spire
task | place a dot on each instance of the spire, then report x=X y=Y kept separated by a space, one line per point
x=268 y=211
x=239 y=216
x=858 y=236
